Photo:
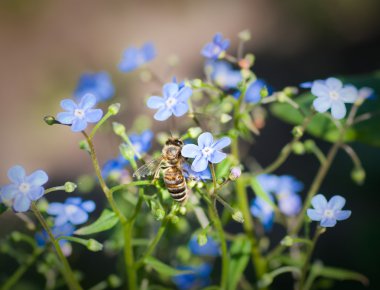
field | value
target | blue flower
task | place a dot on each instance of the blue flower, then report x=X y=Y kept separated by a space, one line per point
x=191 y=174
x=73 y=210
x=78 y=115
x=97 y=84
x=253 y=92
x=308 y=85
x=206 y=151
x=263 y=211
x=135 y=57
x=23 y=189
x=66 y=230
x=223 y=74
x=328 y=212
x=114 y=166
x=199 y=278
x=210 y=249
x=268 y=182
x=173 y=102
x=216 y=48
x=142 y=142
x=332 y=94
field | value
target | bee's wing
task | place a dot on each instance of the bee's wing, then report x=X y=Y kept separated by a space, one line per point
x=150 y=168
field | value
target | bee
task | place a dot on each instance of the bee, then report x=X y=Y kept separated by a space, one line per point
x=171 y=164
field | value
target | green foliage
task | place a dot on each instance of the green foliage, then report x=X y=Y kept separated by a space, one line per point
x=106 y=221
x=162 y=268
x=240 y=254
x=323 y=127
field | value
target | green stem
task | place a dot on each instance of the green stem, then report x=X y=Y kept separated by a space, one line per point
x=129 y=256
x=100 y=123
x=66 y=270
x=16 y=276
x=134 y=183
x=55 y=188
x=126 y=139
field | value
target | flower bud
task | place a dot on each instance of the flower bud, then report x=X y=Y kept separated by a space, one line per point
x=309 y=145
x=290 y=91
x=114 y=281
x=235 y=173
x=281 y=97
x=197 y=83
x=50 y=120
x=126 y=151
x=16 y=236
x=244 y=35
x=174 y=219
x=297 y=131
x=238 y=216
x=159 y=214
x=83 y=145
x=202 y=239
x=298 y=148
x=194 y=132
x=287 y=241
x=118 y=128
x=182 y=210
x=358 y=175
x=225 y=118
x=94 y=245
x=70 y=186
x=114 y=108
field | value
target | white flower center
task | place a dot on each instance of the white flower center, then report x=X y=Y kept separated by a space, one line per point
x=70 y=209
x=24 y=187
x=334 y=95
x=79 y=113
x=328 y=213
x=207 y=151
x=170 y=102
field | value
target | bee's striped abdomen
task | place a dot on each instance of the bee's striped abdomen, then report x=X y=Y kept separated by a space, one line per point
x=175 y=183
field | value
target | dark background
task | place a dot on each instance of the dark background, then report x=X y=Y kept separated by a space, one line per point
x=46 y=45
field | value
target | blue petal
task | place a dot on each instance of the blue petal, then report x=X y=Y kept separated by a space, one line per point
x=155 y=102
x=208 y=51
x=337 y=202
x=253 y=93
x=338 y=109
x=180 y=109
x=66 y=117
x=88 y=206
x=149 y=51
x=78 y=217
x=93 y=116
x=184 y=94
x=217 y=157
x=319 y=202
x=36 y=193
x=73 y=200
x=205 y=140
x=37 y=178
x=169 y=90
x=334 y=84
x=290 y=205
x=16 y=174
x=21 y=203
x=87 y=102
x=68 y=105
x=218 y=38
x=8 y=192
x=342 y=215
x=328 y=222
x=190 y=151
x=319 y=89
x=129 y=61
x=55 y=208
x=314 y=215
x=322 y=104
x=210 y=249
x=199 y=164
x=162 y=114
x=61 y=219
x=349 y=94
x=221 y=143
x=79 y=125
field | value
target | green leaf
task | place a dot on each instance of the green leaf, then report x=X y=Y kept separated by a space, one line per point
x=223 y=168
x=162 y=268
x=323 y=127
x=240 y=255
x=106 y=221
x=338 y=274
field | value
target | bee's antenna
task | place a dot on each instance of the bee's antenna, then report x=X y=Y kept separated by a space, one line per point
x=171 y=133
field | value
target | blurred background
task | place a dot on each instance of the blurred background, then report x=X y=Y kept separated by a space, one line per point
x=46 y=45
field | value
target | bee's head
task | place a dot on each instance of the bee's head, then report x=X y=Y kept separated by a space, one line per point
x=172 y=149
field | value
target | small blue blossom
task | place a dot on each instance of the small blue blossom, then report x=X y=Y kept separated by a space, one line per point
x=134 y=57
x=268 y=182
x=23 y=189
x=328 y=212
x=332 y=94
x=78 y=115
x=197 y=176
x=206 y=151
x=73 y=210
x=216 y=48
x=199 y=278
x=97 y=84
x=142 y=142
x=210 y=249
x=253 y=92
x=223 y=74
x=66 y=230
x=367 y=93
x=114 y=166
x=173 y=102
x=263 y=211
x=308 y=85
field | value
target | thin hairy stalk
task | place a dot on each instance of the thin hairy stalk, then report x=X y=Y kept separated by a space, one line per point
x=16 y=276
x=133 y=183
x=66 y=269
x=100 y=123
x=354 y=157
x=55 y=188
